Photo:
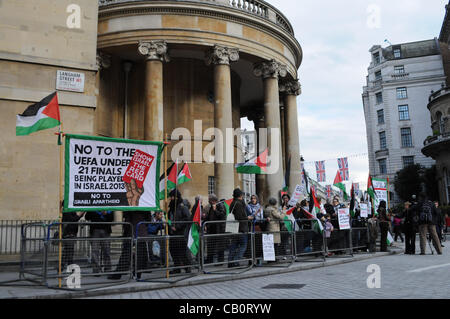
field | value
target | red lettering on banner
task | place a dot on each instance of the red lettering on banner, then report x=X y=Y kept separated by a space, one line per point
x=138 y=168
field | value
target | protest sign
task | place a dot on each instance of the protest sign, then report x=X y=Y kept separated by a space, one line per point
x=268 y=247
x=364 y=210
x=380 y=188
x=111 y=174
x=296 y=195
x=344 y=218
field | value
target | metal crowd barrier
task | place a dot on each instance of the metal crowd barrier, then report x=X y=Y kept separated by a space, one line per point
x=360 y=239
x=310 y=244
x=340 y=243
x=284 y=243
x=160 y=255
x=84 y=260
x=223 y=251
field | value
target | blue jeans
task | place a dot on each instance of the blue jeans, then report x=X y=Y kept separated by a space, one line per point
x=238 y=248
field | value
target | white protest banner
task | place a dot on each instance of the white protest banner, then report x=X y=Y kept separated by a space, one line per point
x=268 y=247
x=111 y=174
x=296 y=195
x=364 y=210
x=344 y=218
x=380 y=188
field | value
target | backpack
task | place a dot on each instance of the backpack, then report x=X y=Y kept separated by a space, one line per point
x=426 y=215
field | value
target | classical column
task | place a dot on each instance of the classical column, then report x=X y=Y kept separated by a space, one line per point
x=221 y=57
x=270 y=72
x=155 y=53
x=292 y=89
x=260 y=180
x=103 y=62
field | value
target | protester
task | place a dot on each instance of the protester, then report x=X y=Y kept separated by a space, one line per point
x=101 y=249
x=255 y=210
x=304 y=235
x=285 y=203
x=328 y=228
x=136 y=219
x=239 y=244
x=158 y=248
x=384 y=225
x=69 y=233
x=215 y=212
x=276 y=218
x=342 y=239
x=373 y=225
x=398 y=223
x=180 y=217
x=410 y=228
x=427 y=217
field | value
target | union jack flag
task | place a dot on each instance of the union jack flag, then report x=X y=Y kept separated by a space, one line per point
x=329 y=192
x=343 y=168
x=320 y=170
x=356 y=189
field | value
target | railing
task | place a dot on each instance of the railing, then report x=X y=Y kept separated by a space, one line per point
x=400 y=76
x=256 y=7
x=441 y=92
x=437 y=139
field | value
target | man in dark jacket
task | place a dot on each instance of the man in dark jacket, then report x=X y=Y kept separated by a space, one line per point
x=410 y=228
x=239 y=245
x=427 y=216
x=101 y=249
x=215 y=212
x=384 y=225
x=69 y=233
x=180 y=219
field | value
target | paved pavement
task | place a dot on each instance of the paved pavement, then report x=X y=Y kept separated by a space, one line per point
x=402 y=276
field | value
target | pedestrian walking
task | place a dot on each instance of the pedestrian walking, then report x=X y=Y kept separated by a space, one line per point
x=427 y=217
x=398 y=225
x=384 y=225
x=410 y=228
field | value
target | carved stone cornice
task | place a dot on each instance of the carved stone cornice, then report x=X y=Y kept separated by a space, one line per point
x=220 y=55
x=290 y=87
x=103 y=61
x=270 y=69
x=154 y=50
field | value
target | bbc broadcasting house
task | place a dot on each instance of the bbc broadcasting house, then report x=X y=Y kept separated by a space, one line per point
x=146 y=68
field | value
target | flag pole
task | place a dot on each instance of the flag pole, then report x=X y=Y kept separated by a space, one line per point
x=388 y=195
x=166 y=208
x=61 y=158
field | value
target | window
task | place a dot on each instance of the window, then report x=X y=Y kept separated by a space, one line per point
x=403 y=112
x=383 y=166
x=211 y=185
x=406 y=137
x=408 y=161
x=376 y=58
x=440 y=122
x=377 y=75
x=397 y=53
x=400 y=69
x=380 y=114
x=402 y=93
x=379 y=97
x=383 y=144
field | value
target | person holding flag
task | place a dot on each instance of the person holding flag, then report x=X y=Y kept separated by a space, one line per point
x=215 y=212
x=339 y=183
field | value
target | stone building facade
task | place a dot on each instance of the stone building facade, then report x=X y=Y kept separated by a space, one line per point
x=400 y=79
x=150 y=67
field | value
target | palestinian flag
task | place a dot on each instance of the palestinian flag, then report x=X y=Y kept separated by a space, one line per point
x=371 y=192
x=184 y=175
x=352 y=202
x=289 y=220
x=40 y=116
x=256 y=166
x=227 y=205
x=389 y=239
x=339 y=184
x=171 y=181
x=194 y=233
x=315 y=209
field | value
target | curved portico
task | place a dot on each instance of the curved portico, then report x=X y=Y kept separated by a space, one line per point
x=169 y=84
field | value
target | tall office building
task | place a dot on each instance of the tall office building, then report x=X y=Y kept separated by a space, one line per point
x=400 y=79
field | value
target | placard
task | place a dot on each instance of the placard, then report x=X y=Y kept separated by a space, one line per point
x=296 y=195
x=268 y=247
x=344 y=218
x=70 y=81
x=380 y=188
x=111 y=174
x=364 y=210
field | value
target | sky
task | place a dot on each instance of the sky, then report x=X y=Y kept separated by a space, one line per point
x=336 y=37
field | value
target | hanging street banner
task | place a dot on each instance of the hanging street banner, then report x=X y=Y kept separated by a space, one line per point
x=380 y=188
x=111 y=174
